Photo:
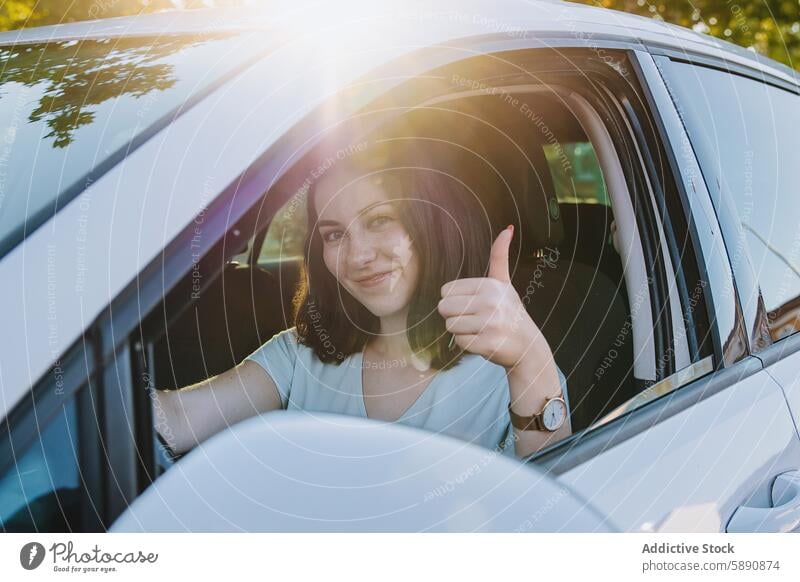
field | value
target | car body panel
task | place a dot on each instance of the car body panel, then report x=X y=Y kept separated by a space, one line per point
x=690 y=472
x=785 y=373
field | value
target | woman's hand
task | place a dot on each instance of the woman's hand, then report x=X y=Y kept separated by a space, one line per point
x=486 y=315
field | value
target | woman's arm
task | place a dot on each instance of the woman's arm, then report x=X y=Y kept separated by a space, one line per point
x=188 y=416
x=532 y=382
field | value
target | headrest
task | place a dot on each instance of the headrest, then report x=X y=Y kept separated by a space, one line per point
x=524 y=183
x=495 y=152
x=539 y=205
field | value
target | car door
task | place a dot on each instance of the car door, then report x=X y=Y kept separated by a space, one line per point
x=704 y=450
x=755 y=193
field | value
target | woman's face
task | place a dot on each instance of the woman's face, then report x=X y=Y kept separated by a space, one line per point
x=365 y=244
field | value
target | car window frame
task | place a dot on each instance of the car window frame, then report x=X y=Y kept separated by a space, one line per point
x=142 y=279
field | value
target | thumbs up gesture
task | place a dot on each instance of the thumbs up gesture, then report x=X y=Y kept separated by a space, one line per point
x=485 y=314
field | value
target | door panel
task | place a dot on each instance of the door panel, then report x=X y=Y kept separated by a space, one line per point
x=691 y=471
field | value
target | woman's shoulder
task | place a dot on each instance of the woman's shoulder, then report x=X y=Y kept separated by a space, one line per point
x=284 y=344
x=290 y=342
x=288 y=336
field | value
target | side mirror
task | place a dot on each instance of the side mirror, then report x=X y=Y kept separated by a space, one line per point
x=300 y=471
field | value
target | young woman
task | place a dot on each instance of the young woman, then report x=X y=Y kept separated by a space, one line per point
x=406 y=314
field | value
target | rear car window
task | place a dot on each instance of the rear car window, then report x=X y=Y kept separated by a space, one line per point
x=70 y=110
x=746 y=136
x=286 y=233
x=576 y=172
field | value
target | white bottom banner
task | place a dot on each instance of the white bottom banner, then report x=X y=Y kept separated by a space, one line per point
x=402 y=557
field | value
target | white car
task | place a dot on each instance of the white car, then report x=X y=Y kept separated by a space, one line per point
x=150 y=233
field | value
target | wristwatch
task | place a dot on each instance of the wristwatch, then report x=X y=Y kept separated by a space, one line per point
x=551 y=418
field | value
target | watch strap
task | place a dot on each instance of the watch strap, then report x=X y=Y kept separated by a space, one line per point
x=520 y=422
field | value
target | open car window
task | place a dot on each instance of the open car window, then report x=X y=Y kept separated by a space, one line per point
x=577 y=176
x=286 y=233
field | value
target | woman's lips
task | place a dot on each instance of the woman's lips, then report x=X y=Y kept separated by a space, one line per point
x=376 y=280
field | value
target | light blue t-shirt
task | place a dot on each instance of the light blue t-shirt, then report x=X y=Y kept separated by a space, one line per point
x=469 y=401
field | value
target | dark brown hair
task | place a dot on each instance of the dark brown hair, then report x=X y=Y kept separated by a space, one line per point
x=451 y=236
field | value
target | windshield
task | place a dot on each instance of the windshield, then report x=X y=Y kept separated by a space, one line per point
x=70 y=110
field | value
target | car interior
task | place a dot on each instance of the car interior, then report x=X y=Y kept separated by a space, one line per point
x=533 y=166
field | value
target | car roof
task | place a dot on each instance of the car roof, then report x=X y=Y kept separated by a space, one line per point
x=505 y=16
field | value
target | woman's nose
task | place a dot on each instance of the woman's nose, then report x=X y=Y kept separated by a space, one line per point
x=360 y=250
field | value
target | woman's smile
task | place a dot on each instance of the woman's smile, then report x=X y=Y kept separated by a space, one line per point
x=376 y=280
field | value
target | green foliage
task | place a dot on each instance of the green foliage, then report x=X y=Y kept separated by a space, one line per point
x=287 y=232
x=65 y=70
x=26 y=13
x=770 y=27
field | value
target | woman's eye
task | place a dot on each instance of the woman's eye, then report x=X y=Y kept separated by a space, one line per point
x=380 y=220
x=332 y=236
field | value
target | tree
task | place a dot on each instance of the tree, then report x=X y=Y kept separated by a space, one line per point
x=26 y=13
x=770 y=27
x=77 y=77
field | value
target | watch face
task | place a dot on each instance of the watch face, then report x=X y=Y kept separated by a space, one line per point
x=554 y=414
